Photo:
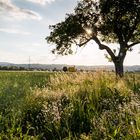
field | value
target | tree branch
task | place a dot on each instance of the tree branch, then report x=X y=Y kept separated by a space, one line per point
x=104 y=47
x=131 y=45
x=101 y=46
x=84 y=42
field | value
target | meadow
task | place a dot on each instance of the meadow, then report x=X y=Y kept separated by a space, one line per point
x=69 y=106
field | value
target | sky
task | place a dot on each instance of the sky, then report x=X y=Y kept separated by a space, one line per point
x=24 y=25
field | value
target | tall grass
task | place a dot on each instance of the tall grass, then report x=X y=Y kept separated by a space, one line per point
x=69 y=106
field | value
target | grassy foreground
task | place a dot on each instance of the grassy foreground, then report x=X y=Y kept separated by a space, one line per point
x=69 y=106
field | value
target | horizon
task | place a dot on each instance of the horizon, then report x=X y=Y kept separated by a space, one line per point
x=25 y=24
x=64 y=64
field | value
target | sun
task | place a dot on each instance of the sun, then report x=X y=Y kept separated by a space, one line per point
x=88 y=31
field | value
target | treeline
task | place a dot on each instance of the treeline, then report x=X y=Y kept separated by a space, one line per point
x=55 y=69
x=12 y=68
x=15 y=68
x=65 y=69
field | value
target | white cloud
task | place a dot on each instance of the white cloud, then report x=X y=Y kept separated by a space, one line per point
x=9 y=10
x=14 y=31
x=41 y=2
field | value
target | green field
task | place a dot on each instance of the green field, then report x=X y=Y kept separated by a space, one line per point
x=69 y=106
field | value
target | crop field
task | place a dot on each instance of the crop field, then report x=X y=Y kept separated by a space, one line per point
x=69 y=106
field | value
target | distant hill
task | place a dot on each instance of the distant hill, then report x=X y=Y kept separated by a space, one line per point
x=60 y=66
x=5 y=64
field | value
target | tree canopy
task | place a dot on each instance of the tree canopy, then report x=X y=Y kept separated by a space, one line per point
x=110 y=21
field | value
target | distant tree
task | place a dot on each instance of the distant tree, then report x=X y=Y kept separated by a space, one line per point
x=65 y=69
x=54 y=69
x=21 y=68
x=5 y=68
x=13 y=68
x=110 y=21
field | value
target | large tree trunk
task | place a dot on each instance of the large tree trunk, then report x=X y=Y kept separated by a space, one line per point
x=119 y=68
x=118 y=60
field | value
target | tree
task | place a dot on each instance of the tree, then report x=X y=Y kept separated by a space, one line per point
x=104 y=21
x=65 y=69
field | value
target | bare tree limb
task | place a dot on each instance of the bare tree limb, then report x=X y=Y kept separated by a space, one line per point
x=84 y=42
x=104 y=47
x=131 y=45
